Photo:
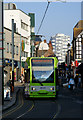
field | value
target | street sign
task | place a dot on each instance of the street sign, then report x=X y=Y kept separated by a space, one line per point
x=73 y=63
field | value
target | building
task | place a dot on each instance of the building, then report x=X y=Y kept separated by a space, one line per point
x=36 y=44
x=59 y=43
x=32 y=26
x=22 y=21
x=22 y=37
x=77 y=41
x=43 y=47
x=77 y=44
x=53 y=41
x=82 y=50
x=8 y=53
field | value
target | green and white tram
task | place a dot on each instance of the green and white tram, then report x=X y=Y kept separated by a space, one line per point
x=42 y=77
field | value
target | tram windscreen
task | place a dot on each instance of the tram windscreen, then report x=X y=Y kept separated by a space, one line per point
x=42 y=70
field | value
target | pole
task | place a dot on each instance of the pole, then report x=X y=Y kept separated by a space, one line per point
x=12 y=54
x=1 y=56
x=20 y=53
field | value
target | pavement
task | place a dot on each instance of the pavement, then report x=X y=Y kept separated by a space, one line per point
x=77 y=93
x=12 y=101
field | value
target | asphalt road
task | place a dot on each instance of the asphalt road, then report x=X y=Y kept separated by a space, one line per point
x=62 y=107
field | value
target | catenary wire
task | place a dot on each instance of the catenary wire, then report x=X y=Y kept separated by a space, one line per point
x=43 y=17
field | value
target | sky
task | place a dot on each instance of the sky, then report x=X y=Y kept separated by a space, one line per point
x=60 y=17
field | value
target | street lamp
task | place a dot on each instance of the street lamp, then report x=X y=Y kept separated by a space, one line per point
x=68 y=58
x=68 y=55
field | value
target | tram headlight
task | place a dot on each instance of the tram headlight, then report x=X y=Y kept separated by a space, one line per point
x=52 y=88
x=33 y=88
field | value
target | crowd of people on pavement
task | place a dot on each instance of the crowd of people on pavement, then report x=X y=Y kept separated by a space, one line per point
x=72 y=82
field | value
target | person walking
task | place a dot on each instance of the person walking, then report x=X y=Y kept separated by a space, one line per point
x=76 y=80
x=71 y=84
x=22 y=77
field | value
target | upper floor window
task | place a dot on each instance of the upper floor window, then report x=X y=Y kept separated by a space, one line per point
x=24 y=26
x=17 y=50
x=7 y=47
x=10 y=48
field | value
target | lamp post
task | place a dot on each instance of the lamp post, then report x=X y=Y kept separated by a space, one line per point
x=13 y=30
x=20 y=52
x=68 y=58
x=1 y=54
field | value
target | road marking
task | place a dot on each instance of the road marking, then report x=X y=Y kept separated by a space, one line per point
x=25 y=112
x=58 y=111
x=13 y=110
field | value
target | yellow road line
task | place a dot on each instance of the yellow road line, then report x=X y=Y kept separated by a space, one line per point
x=13 y=110
x=59 y=108
x=26 y=112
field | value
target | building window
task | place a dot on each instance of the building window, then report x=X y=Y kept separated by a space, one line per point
x=22 y=54
x=24 y=26
x=16 y=50
x=79 y=48
x=76 y=48
x=10 y=48
x=76 y=43
x=79 y=43
x=7 y=47
x=76 y=52
x=79 y=56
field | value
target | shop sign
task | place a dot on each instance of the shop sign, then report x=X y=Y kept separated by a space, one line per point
x=23 y=45
x=73 y=63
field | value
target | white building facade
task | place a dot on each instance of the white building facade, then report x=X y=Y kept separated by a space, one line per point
x=59 y=43
x=22 y=21
x=79 y=51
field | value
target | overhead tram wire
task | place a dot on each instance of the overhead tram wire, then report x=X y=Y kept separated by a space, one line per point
x=43 y=17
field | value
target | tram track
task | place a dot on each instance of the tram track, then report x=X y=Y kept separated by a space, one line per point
x=32 y=106
x=21 y=103
x=25 y=106
x=55 y=115
x=58 y=110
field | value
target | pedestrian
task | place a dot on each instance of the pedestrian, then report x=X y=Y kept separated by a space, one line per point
x=79 y=81
x=22 y=77
x=71 y=84
x=76 y=80
x=7 y=94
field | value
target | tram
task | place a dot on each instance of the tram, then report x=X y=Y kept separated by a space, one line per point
x=42 y=77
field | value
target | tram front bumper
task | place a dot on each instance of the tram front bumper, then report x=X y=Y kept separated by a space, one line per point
x=42 y=94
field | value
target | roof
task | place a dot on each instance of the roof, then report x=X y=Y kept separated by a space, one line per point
x=49 y=53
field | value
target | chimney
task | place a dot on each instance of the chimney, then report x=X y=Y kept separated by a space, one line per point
x=50 y=45
x=44 y=41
